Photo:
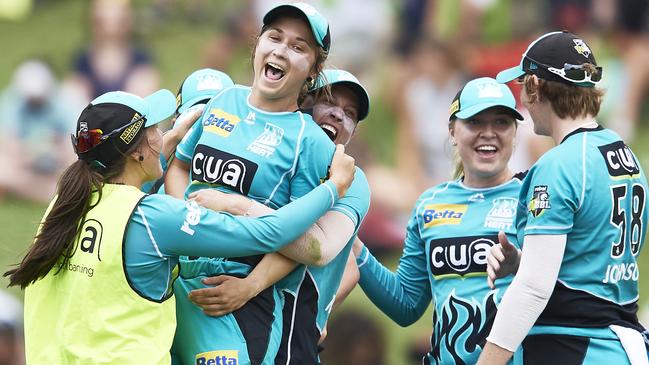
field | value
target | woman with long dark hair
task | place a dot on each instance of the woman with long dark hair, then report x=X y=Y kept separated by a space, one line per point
x=98 y=276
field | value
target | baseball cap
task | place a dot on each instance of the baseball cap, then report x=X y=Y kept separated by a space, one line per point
x=317 y=22
x=200 y=86
x=342 y=77
x=481 y=94
x=556 y=56
x=111 y=122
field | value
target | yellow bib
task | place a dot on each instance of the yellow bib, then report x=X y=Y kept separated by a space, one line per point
x=88 y=313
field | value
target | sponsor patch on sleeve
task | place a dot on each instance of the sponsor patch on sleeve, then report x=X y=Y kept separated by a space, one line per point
x=540 y=200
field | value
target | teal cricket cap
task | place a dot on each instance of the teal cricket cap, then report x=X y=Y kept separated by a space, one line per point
x=481 y=94
x=200 y=86
x=342 y=77
x=317 y=22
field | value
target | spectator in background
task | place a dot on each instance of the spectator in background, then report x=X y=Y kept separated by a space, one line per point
x=34 y=143
x=112 y=61
x=11 y=330
x=421 y=103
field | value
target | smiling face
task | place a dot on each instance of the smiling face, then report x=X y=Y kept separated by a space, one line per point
x=284 y=58
x=485 y=143
x=338 y=115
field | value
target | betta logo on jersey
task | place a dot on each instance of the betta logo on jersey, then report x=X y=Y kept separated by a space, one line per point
x=459 y=256
x=223 y=357
x=620 y=161
x=213 y=166
x=219 y=122
x=443 y=214
x=540 y=200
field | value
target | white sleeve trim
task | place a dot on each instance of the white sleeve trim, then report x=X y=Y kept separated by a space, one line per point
x=333 y=195
x=180 y=152
x=351 y=215
x=553 y=228
x=366 y=253
x=148 y=231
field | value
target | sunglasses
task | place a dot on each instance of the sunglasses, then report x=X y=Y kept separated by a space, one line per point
x=574 y=73
x=89 y=139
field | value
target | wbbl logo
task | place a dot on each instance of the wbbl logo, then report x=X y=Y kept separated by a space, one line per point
x=620 y=161
x=540 y=200
x=213 y=166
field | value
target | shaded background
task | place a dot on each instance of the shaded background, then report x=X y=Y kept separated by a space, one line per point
x=412 y=55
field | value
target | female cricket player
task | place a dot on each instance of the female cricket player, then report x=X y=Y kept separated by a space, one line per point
x=451 y=230
x=582 y=224
x=255 y=142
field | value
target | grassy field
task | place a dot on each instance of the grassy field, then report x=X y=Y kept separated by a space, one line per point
x=176 y=47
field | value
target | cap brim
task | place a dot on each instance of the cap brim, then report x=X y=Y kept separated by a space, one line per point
x=286 y=9
x=161 y=105
x=201 y=99
x=475 y=109
x=510 y=74
x=363 y=97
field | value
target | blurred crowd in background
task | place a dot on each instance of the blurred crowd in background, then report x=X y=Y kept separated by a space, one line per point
x=412 y=55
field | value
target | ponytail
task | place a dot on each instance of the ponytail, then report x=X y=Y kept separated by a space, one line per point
x=458 y=166
x=59 y=229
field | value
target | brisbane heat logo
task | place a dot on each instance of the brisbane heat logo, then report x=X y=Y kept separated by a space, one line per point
x=213 y=166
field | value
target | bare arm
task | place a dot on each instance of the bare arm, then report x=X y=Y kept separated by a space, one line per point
x=226 y=294
x=348 y=282
x=181 y=126
x=177 y=178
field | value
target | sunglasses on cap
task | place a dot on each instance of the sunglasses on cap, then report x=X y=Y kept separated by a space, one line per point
x=573 y=73
x=89 y=139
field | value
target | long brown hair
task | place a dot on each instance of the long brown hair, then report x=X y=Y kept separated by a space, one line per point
x=59 y=230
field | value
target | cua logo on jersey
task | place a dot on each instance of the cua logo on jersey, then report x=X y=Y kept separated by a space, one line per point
x=222 y=357
x=502 y=213
x=443 y=214
x=213 y=166
x=620 y=161
x=540 y=200
x=459 y=256
x=219 y=122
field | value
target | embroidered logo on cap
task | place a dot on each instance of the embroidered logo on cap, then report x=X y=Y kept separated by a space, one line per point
x=582 y=48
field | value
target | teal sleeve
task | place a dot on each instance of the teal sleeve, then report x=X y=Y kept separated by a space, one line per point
x=356 y=201
x=552 y=194
x=313 y=163
x=403 y=296
x=179 y=228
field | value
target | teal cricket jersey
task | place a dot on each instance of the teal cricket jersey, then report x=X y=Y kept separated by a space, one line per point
x=272 y=158
x=310 y=291
x=592 y=189
x=448 y=238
